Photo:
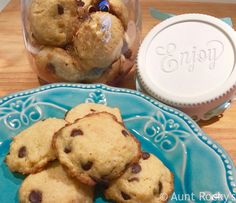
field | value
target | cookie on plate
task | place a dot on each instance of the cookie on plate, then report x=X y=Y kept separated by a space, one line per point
x=31 y=149
x=51 y=22
x=54 y=185
x=84 y=109
x=144 y=182
x=96 y=148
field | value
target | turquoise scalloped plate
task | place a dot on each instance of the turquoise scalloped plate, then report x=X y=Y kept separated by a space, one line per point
x=202 y=169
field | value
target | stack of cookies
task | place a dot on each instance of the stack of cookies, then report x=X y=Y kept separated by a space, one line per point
x=79 y=40
x=66 y=158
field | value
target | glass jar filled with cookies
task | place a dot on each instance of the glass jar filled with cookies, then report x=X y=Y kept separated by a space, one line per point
x=82 y=41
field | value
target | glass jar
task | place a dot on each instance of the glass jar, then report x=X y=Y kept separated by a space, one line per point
x=84 y=41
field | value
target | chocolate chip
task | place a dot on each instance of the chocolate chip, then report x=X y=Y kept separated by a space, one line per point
x=157 y=191
x=76 y=132
x=128 y=54
x=22 y=152
x=145 y=155
x=125 y=196
x=92 y=110
x=51 y=68
x=136 y=168
x=160 y=186
x=80 y=3
x=133 y=179
x=87 y=166
x=125 y=133
x=126 y=166
x=35 y=196
x=92 y=9
x=67 y=150
x=60 y=9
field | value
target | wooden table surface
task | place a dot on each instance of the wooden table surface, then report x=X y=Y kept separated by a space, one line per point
x=16 y=74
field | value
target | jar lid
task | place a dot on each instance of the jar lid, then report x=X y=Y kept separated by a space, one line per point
x=188 y=59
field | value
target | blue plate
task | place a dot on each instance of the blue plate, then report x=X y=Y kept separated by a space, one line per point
x=202 y=169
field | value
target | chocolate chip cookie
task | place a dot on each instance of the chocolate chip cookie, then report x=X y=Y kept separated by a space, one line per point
x=51 y=22
x=145 y=181
x=96 y=148
x=55 y=64
x=32 y=149
x=54 y=185
x=99 y=40
x=84 y=109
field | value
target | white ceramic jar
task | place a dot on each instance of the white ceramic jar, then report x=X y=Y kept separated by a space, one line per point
x=188 y=61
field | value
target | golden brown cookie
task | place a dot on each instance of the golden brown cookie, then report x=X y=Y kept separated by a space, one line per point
x=54 y=185
x=147 y=181
x=51 y=22
x=96 y=148
x=57 y=65
x=31 y=149
x=85 y=109
x=99 y=40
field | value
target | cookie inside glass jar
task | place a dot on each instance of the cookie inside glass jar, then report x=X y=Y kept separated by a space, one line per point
x=86 y=41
